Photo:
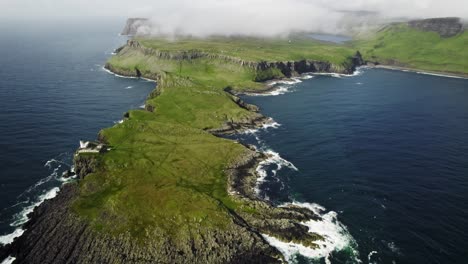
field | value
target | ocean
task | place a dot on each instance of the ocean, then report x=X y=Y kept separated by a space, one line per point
x=54 y=92
x=382 y=155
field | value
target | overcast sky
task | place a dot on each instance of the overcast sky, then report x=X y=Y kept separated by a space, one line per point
x=203 y=17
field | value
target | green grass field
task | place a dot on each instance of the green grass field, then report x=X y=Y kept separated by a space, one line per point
x=256 y=49
x=164 y=170
x=401 y=45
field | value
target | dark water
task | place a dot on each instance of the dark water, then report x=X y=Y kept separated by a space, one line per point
x=387 y=150
x=53 y=92
x=339 y=39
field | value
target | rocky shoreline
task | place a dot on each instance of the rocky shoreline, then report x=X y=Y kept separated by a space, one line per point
x=55 y=234
x=403 y=68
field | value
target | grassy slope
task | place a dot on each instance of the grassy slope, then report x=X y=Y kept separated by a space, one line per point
x=404 y=46
x=164 y=171
x=254 y=49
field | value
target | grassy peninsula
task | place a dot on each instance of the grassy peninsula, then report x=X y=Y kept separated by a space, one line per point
x=165 y=169
x=170 y=189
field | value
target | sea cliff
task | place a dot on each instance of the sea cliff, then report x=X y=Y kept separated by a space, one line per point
x=169 y=189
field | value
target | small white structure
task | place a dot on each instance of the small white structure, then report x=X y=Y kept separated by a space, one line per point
x=91 y=147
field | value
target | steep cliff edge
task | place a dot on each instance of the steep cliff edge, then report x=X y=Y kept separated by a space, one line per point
x=168 y=190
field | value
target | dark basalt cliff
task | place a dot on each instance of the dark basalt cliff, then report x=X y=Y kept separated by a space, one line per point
x=446 y=27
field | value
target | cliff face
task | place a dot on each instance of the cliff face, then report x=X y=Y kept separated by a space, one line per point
x=445 y=27
x=133 y=25
x=287 y=68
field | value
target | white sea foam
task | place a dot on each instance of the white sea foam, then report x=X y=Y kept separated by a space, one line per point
x=335 y=234
x=7 y=239
x=117 y=75
x=8 y=260
x=278 y=90
x=272 y=158
x=22 y=217
x=271 y=123
x=369 y=257
x=129 y=87
x=357 y=72
x=142 y=106
x=441 y=75
x=421 y=72
x=119 y=121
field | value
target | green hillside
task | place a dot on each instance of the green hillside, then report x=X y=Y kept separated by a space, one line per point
x=401 y=45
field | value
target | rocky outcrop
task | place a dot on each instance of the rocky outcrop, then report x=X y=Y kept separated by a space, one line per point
x=85 y=164
x=57 y=235
x=135 y=26
x=283 y=223
x=446 y=27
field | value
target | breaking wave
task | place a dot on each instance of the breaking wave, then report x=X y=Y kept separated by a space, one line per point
x=357 y=72
x=8 y=260
x=22 y=217
x=273 y=158
x=336 y=237
x=45 y=189
x=279 y=87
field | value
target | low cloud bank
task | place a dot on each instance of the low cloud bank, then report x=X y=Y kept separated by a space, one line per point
x=243 y=17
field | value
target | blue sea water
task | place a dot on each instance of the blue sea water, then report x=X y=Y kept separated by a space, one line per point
x=386 y=150
x=338 y=39
x=54 y=92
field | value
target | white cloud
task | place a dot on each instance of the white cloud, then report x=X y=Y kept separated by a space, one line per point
x=267 y=17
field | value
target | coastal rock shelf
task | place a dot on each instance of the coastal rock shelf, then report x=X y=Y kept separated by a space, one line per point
x=169 y=189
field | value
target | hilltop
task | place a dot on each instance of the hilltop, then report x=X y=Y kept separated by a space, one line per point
x=436 y=45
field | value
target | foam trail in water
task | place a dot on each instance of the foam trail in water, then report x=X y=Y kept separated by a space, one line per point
x=8 y=260
x=273 y=158
x=280 y=87
x=270 y=123
x=22 y=217
x=357 y=72
x=441 y=75
x=369 y=257
x=129 y=87
x=336 y=237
